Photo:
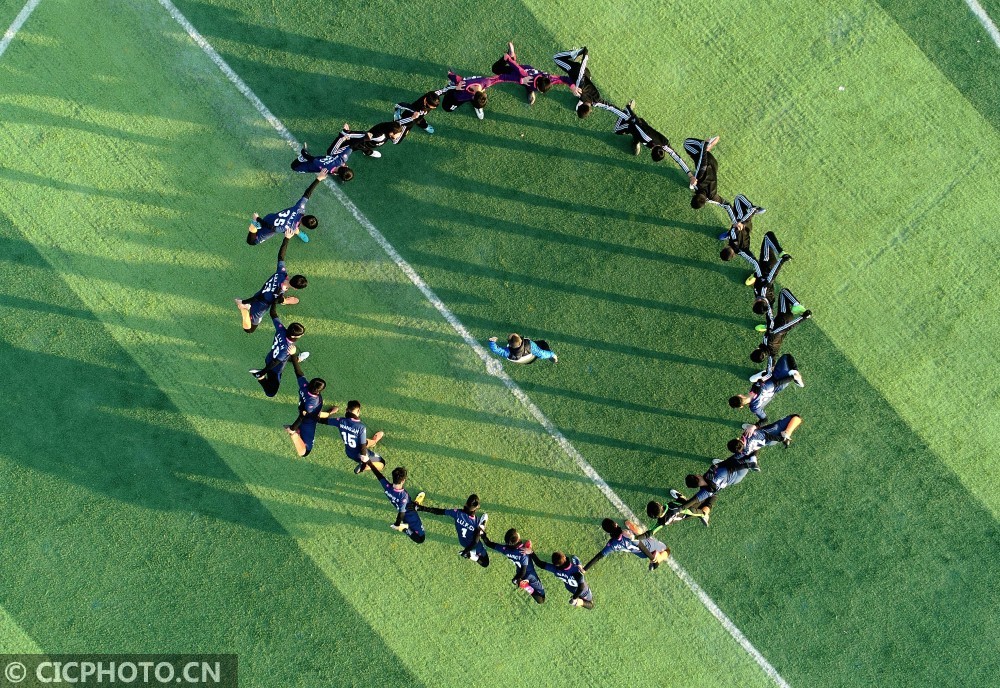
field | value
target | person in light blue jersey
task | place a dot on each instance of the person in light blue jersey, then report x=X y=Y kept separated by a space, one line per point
x=469 y=526
x=519 y=552
x=252 y=310
x=522 y=350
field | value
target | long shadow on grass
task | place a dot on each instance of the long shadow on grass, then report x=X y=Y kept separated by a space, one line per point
x=111 y=528
x=952 y=38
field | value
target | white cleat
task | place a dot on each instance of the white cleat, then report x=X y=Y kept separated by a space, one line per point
x=303 y=356
x=479 y=112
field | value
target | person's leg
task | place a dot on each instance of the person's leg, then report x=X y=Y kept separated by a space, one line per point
x=244 y=307
x=271 y=381
x=484 y=556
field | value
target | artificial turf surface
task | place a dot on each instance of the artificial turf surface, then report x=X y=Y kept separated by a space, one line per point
x=153 y=500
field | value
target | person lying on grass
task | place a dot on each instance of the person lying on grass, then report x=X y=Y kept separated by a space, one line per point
x=570 y=572
x=263 y=228
x=357 y=444
x=252 y=310
x=407 y=519
x=519 y=552
x=283 y=346
x=623 y=540
x=469 y=526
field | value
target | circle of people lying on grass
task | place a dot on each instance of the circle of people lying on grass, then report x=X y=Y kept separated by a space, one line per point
x=780 y=309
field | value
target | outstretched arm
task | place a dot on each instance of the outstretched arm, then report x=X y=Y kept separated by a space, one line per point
x=597 y=558
x=429 y=509
x=501 y=351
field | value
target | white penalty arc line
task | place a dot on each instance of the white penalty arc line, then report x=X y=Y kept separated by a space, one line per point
x=492 y=364
x=19 y=20
x=985 y=20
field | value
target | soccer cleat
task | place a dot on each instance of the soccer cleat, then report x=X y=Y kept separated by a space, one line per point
x=555 y=359
x=479 y=112
x=716 y=462
x=704 y=519
x=807 y=314
x=721 y=237
x=576 y=602
x=747 y=426
x=400 y=528
x=677 y=496
x=302 y=235
x=760 y=211
x=786 y=256
x=303 y=356
x=531 y=98
x=711 y=143
x=749 y=281
x=761 y=328
x=419 y=499
x=798 y=309
x=526 y=586
x=429 y=129
x=636 y=148
x=255 y=372
x=797 y=376
x=482 y=522
x=375 y=154
x=255 y=221
x=397 y=113
x=631 y=104
x=785 y=440
x=758 y=376
x=360 y=468
x=510 y=48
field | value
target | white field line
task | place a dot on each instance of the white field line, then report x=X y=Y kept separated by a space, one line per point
x=19 y=20
x=985 y=20
x=492 y=364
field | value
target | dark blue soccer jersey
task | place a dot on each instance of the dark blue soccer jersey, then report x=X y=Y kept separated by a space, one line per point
x=273 y=287
x=622 y=543
x=310 y=404
x=398 y=496
x=353 y=432
x=289 y=217
x=465 y=525
x=280 y=346
x=568 y=576
x=517 y=556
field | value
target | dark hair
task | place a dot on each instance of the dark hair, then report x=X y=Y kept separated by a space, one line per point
x=345 y=173
x=735 y=402
x=654 y=509
x=512 y=537
x=658 y=153
x=691 y=481
x=394 y=128
x=582 y=109
x=543 y=84
x=758 y=355
x=479 y=99
x=432 y=100
x=472 y=502
x=299 y=282
x=735 y=445
x=310 y=222
x=760 y=306
x=608 y=525
x=295 y=330
x=317 y=385
x=559 y=559
x=727 y=253
x=398 y=474
x=353 y=406
x=698 y=200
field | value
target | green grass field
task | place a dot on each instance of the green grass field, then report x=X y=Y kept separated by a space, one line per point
x=152 y=502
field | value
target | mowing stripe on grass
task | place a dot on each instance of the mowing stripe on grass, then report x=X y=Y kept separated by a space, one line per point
x=985 y=20
x=492 y=364
x=19 y=20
